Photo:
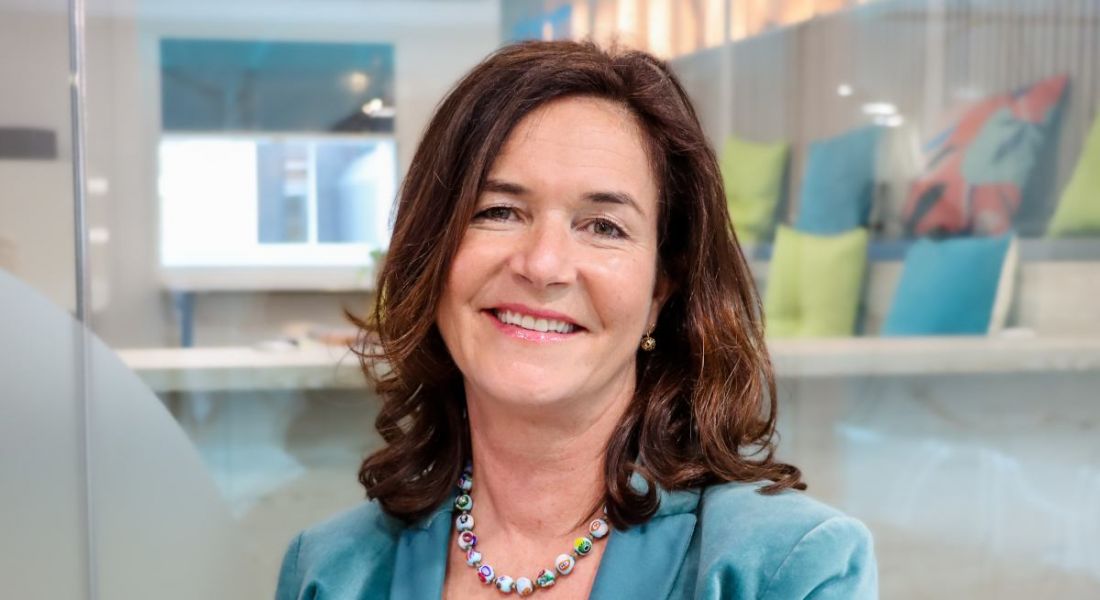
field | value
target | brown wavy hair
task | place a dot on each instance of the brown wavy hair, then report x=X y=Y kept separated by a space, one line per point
x=704 y=405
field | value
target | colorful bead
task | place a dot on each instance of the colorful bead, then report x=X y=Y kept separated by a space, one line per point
x=582 y=545
x=467 y=540
x=598 y=528
x=545 y=578
x=473 y=558
x=505 y=584
x=524 y=587
x=564 y=564
x=464 y=502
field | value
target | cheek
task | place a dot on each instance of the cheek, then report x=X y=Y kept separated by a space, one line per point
x=455 y=290
x=622 y=290
x=470 y=271
x=466 y=263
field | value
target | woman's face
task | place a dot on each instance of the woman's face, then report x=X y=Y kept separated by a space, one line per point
x=555 y=281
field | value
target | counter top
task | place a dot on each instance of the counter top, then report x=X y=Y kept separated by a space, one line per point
x=321 y=367
x=245 y=368
x=973 y=355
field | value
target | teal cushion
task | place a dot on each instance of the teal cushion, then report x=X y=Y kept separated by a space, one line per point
x=952 y=287
x=839 y=184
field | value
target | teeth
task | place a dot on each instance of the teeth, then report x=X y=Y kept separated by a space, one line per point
x=529 y=322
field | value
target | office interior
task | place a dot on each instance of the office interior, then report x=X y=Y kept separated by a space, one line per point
x=193 y=192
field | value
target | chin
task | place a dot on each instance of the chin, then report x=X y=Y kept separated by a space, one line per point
x=531 y=395
x=546 y=389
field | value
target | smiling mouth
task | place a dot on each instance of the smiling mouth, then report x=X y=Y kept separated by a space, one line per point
x=536 y=324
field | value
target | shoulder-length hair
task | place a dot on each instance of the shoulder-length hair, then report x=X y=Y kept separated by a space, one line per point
x=704 y=406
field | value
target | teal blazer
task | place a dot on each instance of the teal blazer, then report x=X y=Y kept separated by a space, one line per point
x=725 y=541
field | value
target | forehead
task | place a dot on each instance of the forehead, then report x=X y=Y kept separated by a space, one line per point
x=579 y=141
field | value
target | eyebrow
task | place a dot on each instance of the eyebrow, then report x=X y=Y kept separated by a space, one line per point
x=602 y=197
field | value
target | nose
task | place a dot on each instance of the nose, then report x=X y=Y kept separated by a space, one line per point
x=544 y=256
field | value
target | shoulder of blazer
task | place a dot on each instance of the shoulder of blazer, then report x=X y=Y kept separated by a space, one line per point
x=739 y=510
x=363 y=534
x=751 y=537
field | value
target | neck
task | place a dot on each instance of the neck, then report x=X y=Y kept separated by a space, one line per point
x=537 y=472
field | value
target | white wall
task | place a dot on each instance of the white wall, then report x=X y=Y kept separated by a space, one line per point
x=36 y=227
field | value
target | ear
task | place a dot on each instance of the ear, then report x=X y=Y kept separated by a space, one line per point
x=661 y=292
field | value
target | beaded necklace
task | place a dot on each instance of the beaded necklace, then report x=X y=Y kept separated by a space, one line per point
x=467 y=541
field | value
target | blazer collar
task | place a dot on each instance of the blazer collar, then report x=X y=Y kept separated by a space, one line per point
x=420 y=561
x=421 y=557
x=444 y=509
x=643 y=561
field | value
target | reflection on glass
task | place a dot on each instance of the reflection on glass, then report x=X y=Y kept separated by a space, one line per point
x=74 y=413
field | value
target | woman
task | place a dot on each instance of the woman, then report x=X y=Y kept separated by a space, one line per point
x=577 y=398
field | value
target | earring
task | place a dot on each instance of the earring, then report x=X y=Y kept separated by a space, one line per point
x=648 y=343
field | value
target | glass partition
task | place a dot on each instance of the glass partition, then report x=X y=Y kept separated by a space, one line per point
x=43 y=487
x=254 y=150
x=241 y=162
x=915 y=184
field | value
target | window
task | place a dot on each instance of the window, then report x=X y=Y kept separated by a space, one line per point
x=274 y=201
x=274 y=158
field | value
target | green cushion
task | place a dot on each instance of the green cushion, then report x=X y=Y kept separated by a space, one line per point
x=753 y=177
x=1079 y=209
x=815 y=283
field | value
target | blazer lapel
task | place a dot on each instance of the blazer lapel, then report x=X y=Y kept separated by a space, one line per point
x=420 y=563
x=643 y=561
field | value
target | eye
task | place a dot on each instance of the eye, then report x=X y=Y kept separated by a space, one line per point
x=605 y=228
x=494 y=213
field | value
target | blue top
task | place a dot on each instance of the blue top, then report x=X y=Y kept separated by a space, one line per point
x=725 y=541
